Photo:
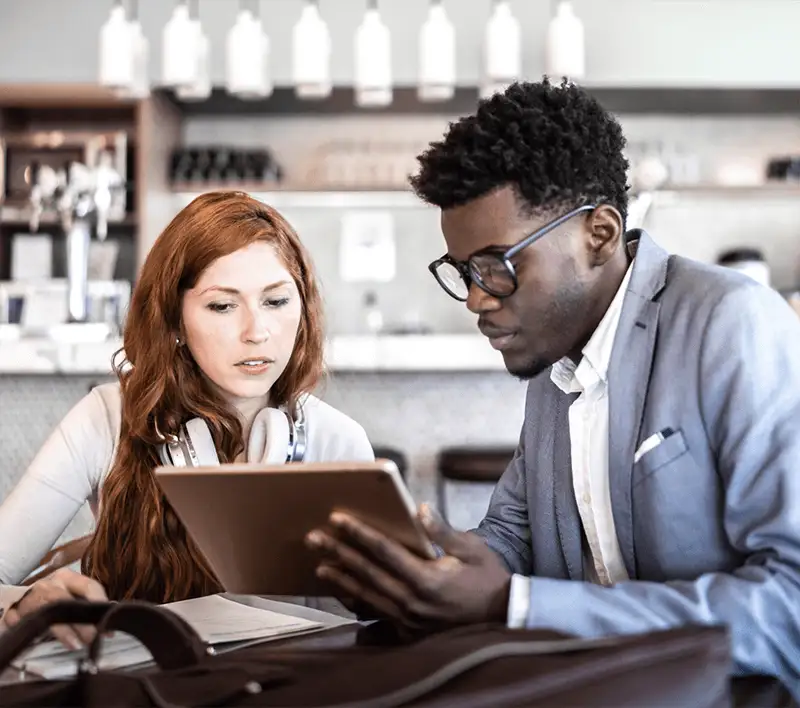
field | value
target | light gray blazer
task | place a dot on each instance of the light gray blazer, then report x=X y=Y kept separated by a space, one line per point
x=708 y=521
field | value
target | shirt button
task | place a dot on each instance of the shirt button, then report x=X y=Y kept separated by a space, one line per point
x=586 y=498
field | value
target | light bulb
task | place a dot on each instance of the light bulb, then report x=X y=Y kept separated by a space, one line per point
x=200 y=88
x=373 y=54
x=116 y=51
x=182 y=47
x=564 y=45
x=246 y=69
x=140 y=87
x=503 y=50
x=437 y=56
x=311 y=54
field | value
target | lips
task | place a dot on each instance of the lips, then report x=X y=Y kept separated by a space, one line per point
x=254 y=365
x=498 y=338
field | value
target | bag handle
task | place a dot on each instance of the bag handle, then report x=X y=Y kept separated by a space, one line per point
x=171 y=641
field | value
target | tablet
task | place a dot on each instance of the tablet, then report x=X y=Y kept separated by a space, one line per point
x=250 y=521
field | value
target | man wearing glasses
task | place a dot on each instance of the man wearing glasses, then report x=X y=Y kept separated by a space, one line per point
x=657 y=478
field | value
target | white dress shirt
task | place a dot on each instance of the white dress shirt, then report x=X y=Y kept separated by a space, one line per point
x=588 y=431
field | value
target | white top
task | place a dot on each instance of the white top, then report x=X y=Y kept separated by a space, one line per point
x=588 y=432
x=70 y=468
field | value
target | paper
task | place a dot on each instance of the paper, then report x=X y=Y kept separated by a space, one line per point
x=224 y=623
x=366 y=249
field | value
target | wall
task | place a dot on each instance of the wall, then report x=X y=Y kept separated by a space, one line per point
x=629 y=42
x=695 y=225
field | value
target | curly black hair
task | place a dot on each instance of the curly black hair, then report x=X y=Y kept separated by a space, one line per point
x=555 y=144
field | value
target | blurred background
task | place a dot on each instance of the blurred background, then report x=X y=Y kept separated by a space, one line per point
x=114 y=115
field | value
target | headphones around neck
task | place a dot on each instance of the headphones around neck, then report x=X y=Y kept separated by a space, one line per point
x=275 y=438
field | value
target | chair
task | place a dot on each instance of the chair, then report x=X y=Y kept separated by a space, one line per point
x=59 y=557
x=470 y=465
x=390 y=453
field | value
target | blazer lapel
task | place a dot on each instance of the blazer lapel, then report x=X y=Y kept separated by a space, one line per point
x=629 y=376
x=567 y=517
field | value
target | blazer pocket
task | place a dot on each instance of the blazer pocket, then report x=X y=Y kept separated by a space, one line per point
x=670 y=449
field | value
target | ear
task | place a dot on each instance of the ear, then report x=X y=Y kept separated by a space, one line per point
x=605 y=233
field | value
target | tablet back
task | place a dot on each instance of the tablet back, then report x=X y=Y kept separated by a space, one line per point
x=250 y=521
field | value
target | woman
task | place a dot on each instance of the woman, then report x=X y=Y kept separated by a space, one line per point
x=224 y=322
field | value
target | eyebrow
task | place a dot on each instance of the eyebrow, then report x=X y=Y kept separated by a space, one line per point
x=234 y=291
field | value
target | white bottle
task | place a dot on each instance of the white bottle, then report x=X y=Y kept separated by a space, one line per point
x=502 y=50
x=246 y=66
x=116 y=51
x=564 y=44
x=437 y=56
x=182 y=43
x=311 y=54
x=373 y=54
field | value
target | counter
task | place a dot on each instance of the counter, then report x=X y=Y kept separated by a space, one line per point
x=445 y=352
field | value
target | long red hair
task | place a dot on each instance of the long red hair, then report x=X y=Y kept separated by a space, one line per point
x=140 y=550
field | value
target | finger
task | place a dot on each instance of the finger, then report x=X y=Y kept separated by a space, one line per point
x=464 y=546
x=86 y=632
x=81 y=586
x=67 y=636
x=383 y=549
x=381 y=604
x=355 y=564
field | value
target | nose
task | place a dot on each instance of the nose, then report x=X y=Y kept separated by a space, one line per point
x=257 y=329
x=479 y=301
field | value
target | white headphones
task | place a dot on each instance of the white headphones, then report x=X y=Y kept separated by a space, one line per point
x=276 y=438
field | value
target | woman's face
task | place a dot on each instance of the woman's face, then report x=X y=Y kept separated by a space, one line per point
x=240 y=321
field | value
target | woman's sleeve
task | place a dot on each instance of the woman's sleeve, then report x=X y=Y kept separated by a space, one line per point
x=64 y=474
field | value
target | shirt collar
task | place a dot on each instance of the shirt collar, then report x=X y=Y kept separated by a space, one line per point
x=593 y=366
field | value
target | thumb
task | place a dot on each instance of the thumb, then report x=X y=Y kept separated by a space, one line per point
x=453 y=543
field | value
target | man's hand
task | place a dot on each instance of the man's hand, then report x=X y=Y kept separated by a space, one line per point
x=469 y=584
x=63 y=584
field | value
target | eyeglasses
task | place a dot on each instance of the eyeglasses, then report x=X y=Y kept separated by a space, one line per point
x=491 y=268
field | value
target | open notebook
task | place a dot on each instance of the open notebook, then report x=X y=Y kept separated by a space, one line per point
x=224 y=623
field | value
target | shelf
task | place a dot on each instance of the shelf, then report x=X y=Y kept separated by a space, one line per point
x=627 y=100
x=316 y=199
x=390 y=353
x=672 y=194
x=286 y=198
x=51 y=221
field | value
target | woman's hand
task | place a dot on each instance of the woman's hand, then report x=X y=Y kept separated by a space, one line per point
x=63 y=584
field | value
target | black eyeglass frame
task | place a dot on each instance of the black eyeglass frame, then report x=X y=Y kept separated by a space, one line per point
x=470 y=274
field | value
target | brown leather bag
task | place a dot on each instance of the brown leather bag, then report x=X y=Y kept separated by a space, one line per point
x=470 y=667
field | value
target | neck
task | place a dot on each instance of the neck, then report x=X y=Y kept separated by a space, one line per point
x=602 y=299
x=247 y=409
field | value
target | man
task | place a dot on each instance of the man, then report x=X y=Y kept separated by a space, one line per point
x=657 y=478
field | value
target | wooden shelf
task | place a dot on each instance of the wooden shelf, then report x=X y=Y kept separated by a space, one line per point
x=60 y=96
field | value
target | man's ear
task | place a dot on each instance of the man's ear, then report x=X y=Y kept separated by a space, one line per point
x=605 y=233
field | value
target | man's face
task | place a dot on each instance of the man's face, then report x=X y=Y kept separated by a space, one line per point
x=549 y=315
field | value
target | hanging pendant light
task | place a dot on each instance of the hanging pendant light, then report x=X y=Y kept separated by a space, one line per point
x=247 y=46
x=373 y=55
x=437 y=56
x=182 y=47
x=200 y=87
x=502 y=50
x=311 y=54
x=140 y=48
x=116 y=50
x=565 y=54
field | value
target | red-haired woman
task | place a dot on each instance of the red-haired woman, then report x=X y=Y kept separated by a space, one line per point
x=224 y=327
